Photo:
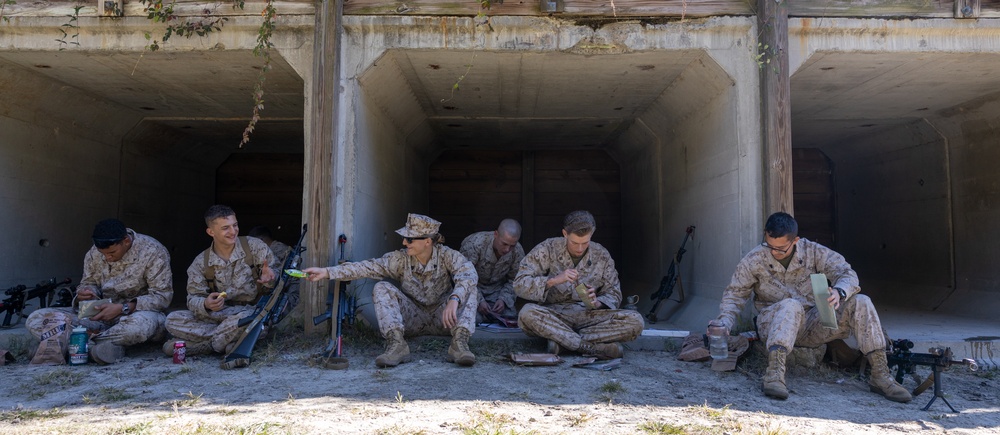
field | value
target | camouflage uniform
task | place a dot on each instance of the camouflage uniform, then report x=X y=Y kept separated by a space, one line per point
x=233 y=276
x=784 y=298
x=559 y=314
x=416 y=308
x=496 y=275
x=142 y=275
x=280 y=251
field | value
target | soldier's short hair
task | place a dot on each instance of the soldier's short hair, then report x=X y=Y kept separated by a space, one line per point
x=217 y=211
x=781 y=224
x=510 y=227
x=108 y=232
x=579 y=222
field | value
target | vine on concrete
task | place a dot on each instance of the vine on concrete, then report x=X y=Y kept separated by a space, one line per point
x=3 y=4
x=158 y=12
x=480 y=20
x=71 y=26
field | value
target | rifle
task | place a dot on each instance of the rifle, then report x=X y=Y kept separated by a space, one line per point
x=20 y=295
x=670 y=279
x=937 y=358
x=270 y=308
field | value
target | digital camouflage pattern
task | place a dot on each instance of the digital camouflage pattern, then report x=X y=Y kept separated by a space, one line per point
x=558 y=313
x=784 y=298
x=496 y=275
x=416 y=306
x=143 y=275
x=232 y=276
x=418 y=225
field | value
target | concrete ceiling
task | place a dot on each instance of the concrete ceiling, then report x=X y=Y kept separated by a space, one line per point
x=507 y=99
x=839 y=95
x=203 y=94
x=527 y=100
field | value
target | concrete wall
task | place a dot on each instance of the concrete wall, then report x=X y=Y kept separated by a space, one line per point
x=893 y=213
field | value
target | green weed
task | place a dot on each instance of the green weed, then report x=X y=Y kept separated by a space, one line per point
x=21 y=415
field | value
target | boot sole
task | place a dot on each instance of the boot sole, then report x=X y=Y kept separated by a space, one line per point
x=386 y=364
x=879 y=391
x=774 y=393
x=464 y=362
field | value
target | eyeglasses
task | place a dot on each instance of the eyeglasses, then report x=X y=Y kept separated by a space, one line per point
x=411 y=239
x=775 y=248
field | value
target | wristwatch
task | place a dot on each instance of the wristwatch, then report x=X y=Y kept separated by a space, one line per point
x=125 y=309
x=842 y=293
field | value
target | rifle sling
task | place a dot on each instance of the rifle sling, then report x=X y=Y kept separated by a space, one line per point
x=247 y=254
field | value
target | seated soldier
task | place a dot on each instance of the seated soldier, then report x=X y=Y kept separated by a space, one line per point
x=280 y=251
x=437 y=294
x=776 y=274
x=549 y=275
x=131 y=269
x=224 y=283
x=496 y=256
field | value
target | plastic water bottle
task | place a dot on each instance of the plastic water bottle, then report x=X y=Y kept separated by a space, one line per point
x=718 y=343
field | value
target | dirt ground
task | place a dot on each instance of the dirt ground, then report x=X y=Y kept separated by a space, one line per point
x=284 y=391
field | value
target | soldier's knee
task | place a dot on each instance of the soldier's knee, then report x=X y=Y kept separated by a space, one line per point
x=861 y=301
x=789 y=306
x=633 y=321
x=383 y=289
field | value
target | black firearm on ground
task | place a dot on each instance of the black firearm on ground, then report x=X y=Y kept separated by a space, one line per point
x=270 y=308
x=906 y=362
x=670 y=279
x=19 y=296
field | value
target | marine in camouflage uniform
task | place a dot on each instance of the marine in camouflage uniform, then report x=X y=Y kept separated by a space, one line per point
x=431 y=295
x=205 y=330
x=548 y=276
x=280 y=251
x=496 y=272
x=134 y=272
x=776 y=274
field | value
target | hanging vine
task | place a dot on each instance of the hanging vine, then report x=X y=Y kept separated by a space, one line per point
x=3 y=4
x=262 y=49
x=158 y=12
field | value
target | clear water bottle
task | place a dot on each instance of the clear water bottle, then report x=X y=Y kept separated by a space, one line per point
x=718 y=343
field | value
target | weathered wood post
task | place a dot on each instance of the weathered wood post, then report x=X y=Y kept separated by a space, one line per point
x=320 y=156
x=775 y=101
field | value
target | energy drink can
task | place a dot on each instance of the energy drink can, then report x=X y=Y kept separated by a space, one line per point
x=78 y=346
x=180 y=352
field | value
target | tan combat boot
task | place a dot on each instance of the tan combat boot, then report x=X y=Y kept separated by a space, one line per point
x=553 y=348
x=602 y=350
x=774 y=377
x=396 y=350
x=882 y=382
x=459 y=352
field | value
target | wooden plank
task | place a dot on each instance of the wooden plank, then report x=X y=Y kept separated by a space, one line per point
x=477 y=159
x=772 y=20
x=577 y=181
x=558 y=203
x=528 y=232
x=249 y=200
x=475 y=203
x=621 y=8
x=575 y=159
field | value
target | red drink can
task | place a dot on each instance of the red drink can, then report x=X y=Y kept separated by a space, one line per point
x=180 y=352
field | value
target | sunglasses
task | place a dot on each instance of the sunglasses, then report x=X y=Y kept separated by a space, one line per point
x=411 y=239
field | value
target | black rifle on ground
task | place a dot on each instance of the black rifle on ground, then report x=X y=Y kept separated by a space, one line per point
x=670 y=279
x=270 y=308
x=937 y=358
x=20 y=295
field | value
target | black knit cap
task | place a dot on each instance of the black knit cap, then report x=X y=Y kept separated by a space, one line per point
x=108 y=232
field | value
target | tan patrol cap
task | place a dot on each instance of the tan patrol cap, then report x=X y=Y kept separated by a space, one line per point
x=418 y=225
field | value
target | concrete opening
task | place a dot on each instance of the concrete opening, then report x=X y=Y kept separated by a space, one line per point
x=150 y=139
x=641 y=139
x=909 y=140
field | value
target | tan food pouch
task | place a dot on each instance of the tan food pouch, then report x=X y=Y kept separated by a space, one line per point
x=54 y=341
x=581 y=290
x=89 y=308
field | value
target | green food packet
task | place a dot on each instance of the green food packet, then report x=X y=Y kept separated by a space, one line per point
x=295 y=273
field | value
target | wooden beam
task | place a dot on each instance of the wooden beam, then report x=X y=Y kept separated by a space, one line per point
x=528 y=200
x=772 y=24
x=619 y=8
x=320 y=157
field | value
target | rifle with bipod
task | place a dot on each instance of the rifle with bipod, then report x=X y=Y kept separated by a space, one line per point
x=20 y=295
x=270 y=308
x=937 y=358
x=670 y=279
x=337 y=309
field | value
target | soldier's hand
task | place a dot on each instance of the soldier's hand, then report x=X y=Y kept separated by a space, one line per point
x=716 y=324
x=86 y=293
x=266 y=275
x=484 y=308
x=107 y=312
x=316 y=273
x=449 y=317
x=593 y=296
x=569 y=275
x=214 y=302
x=499 y=306
x=834 y=298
